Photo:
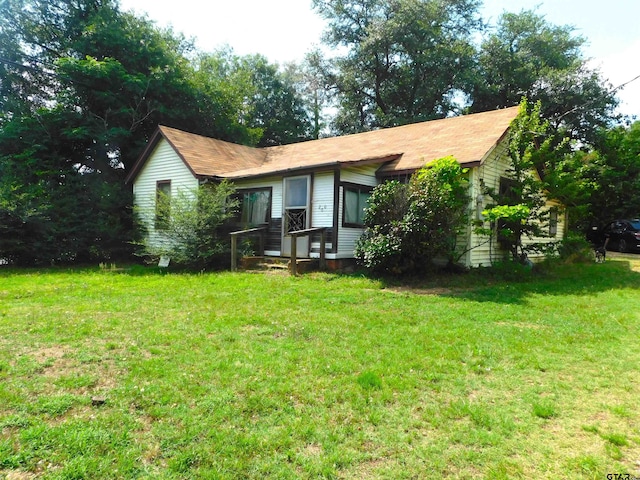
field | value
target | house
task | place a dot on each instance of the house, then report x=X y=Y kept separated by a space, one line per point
x=326 y=182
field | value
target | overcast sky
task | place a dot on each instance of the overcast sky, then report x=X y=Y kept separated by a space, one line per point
x=284 y=30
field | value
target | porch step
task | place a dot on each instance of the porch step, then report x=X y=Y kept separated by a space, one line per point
x=272 y=266
x=278 y=263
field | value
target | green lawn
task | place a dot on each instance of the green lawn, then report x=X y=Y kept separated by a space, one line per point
x=256 y=375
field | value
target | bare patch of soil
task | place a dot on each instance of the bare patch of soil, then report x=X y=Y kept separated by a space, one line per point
x=433 y=291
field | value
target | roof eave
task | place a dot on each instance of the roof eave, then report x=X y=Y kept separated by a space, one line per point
x=312 y=168
x=381 y=173
x=142 y=159
x=157 y=135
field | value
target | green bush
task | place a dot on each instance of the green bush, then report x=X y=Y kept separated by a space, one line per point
x=194 y=233
x=575 y=248
x=407 y=226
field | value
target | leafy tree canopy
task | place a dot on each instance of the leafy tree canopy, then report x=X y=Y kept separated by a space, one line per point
x=83 y=86
x=526 y=56
x=603 y=184
x=404 y=60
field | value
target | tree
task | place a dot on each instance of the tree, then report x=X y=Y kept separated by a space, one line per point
x=276 y=109
x=83 y=85
x=407 y=226
x=53 y=211
x=251 y=97
x=310 y=81
x=191 y=232
x=526 y=56
x=406 y=60
x=603 y=184
x=519 y=209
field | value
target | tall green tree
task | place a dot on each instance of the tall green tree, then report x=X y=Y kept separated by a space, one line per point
x=276 y=107
x=527 y=56
x=310 y=81
x=83 y=85
x=405 y=60
x=603 y=184
x=253 y=96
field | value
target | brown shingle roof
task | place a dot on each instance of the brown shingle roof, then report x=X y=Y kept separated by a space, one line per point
x=208 y=157
x=468 y=138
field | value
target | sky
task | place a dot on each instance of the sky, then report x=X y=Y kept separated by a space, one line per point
x=284 y=30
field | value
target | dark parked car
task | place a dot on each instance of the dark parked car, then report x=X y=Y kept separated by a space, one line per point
x=624 y=235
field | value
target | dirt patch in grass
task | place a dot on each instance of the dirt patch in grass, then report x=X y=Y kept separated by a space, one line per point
x=55 y=352
x=312 y=450
x=430 y=291
x=16 y=475
x=369 y=468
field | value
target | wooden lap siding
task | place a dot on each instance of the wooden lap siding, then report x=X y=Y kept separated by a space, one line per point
x=348 y=236
x=273 y=241
x=322 y=202
x=492 y=169
x=164 y=165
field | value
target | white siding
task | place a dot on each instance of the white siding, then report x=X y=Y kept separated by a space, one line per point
x=482 y=252
x=163 y=164
x=348 y=236
x=322 y=200
x=322 y=204
x=365 y=175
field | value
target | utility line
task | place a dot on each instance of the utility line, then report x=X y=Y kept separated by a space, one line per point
x=619 y=87
x=625 y=84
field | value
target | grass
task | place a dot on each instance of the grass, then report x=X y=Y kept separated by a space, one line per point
x=322 y=376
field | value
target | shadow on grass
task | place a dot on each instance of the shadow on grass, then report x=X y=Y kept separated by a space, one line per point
x=514 y=287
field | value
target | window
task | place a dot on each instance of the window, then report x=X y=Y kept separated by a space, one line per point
x=508 y=190
x=553 y=222
x=255 y=206
x=355 y=202
x=163 y=204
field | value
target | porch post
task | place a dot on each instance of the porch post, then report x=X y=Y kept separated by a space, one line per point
x=323 y=261
x=294 y=261
x=234 y=260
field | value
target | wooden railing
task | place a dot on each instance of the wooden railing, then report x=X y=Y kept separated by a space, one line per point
x=260 y=231
x=294 y=246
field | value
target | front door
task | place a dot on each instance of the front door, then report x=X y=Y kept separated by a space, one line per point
x=297 y=195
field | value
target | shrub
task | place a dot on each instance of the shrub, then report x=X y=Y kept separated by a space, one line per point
x=193 y=234
x=575 y=248
x=408 y=226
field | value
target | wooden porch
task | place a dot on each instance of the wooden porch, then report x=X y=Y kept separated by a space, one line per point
x=293 y=263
